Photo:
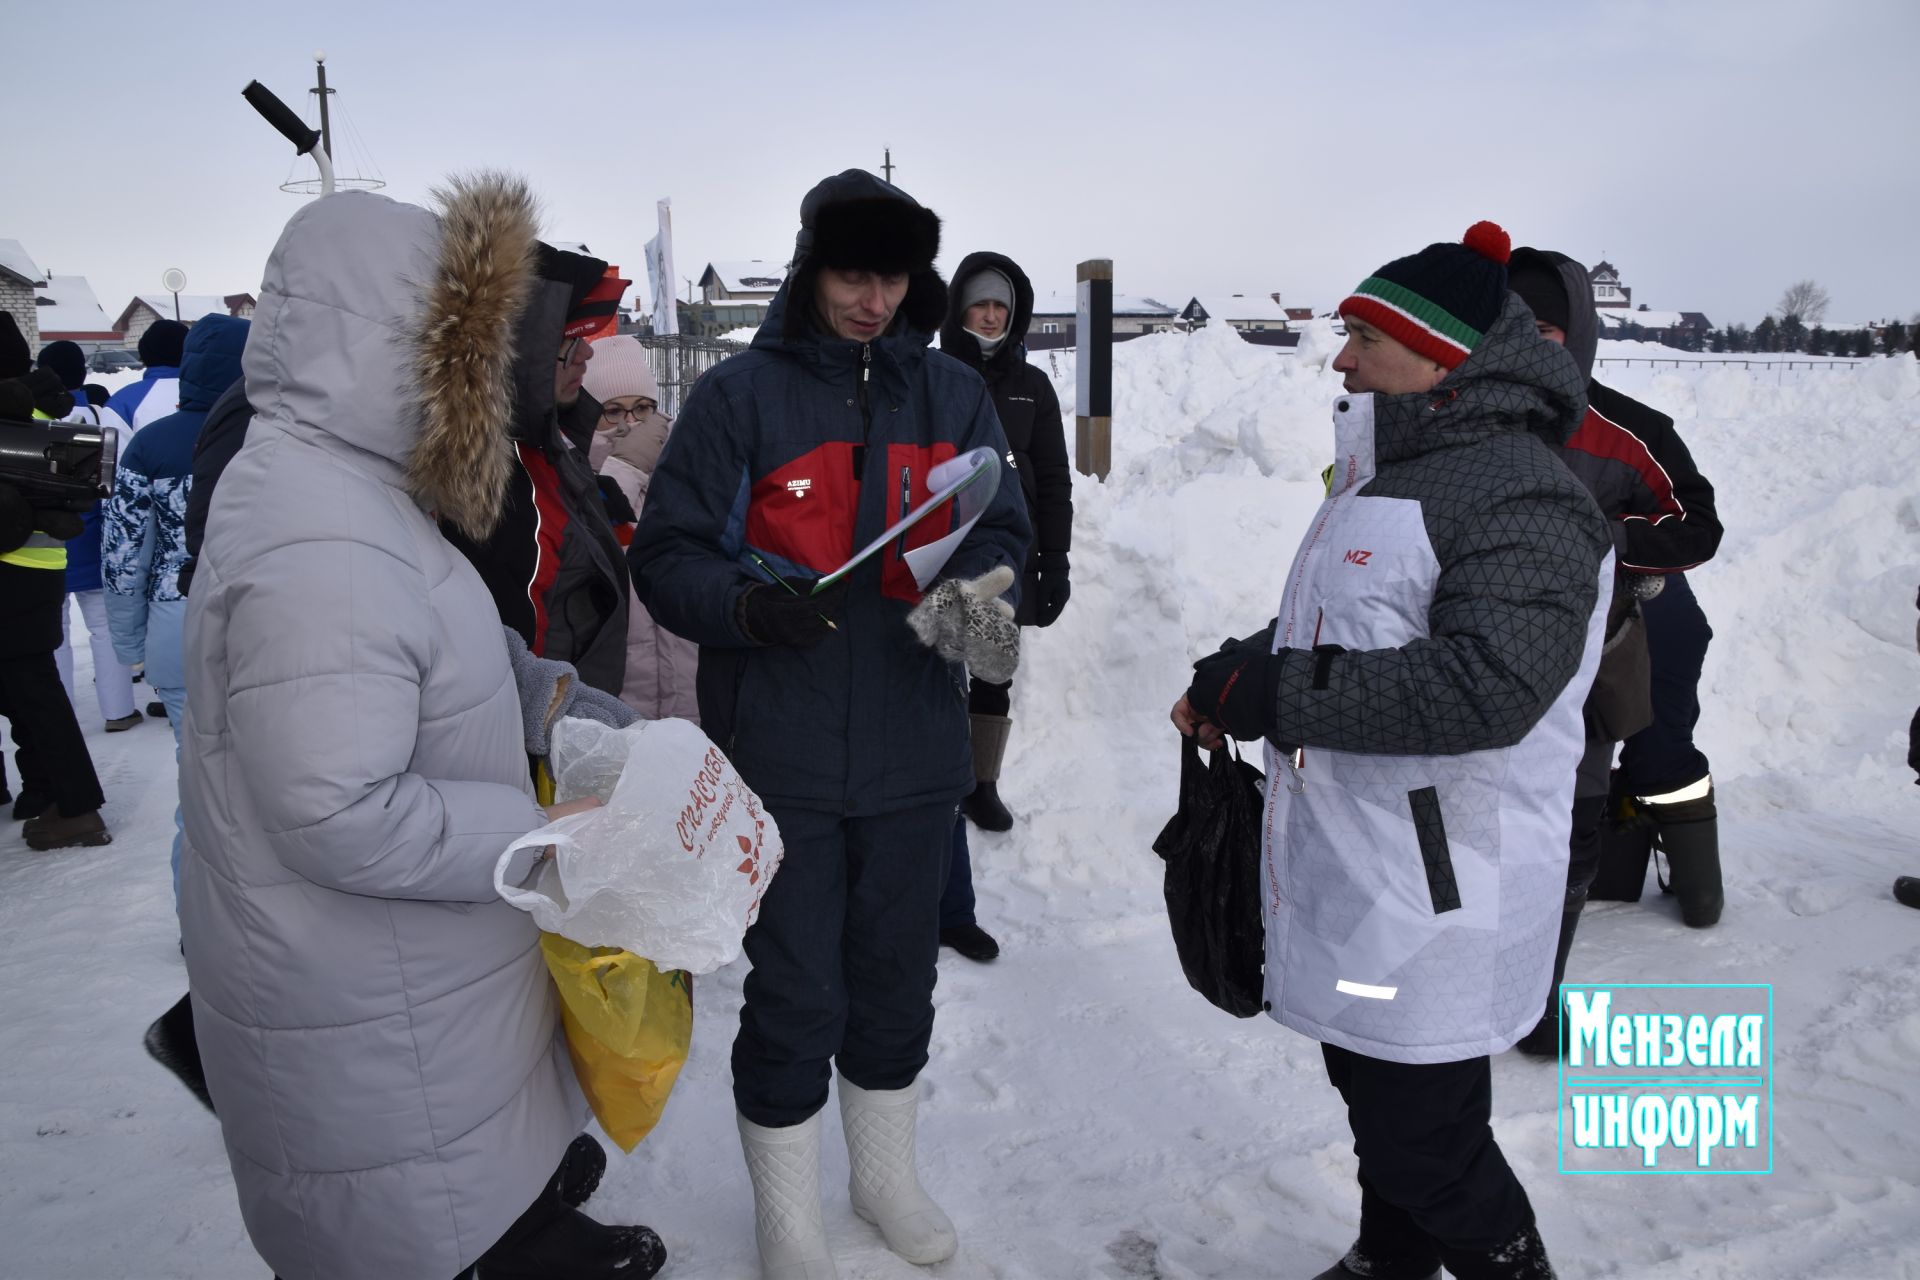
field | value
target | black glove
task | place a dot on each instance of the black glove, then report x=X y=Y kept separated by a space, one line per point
x=619 y=510
x=1053 y=587
x=769 y=614
x=1232 y=689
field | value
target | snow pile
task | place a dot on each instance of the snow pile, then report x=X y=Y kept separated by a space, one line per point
x=1217 y=452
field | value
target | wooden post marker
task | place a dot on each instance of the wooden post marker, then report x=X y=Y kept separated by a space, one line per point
x=1093 y=368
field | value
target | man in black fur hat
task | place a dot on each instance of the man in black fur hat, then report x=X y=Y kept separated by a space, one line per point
x=786 y=460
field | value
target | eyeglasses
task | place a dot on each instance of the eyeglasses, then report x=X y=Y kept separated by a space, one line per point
x=572 y=349
x=614 y=413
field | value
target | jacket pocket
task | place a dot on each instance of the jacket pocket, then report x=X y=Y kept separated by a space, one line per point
x=1431 y=831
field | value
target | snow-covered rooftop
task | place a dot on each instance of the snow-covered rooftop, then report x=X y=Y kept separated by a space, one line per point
x=1251 y=306
x=192 y=305
x=1066 y=304
x=15 y=260
x=755 y=275
x=67 y=307
x=1617 y=318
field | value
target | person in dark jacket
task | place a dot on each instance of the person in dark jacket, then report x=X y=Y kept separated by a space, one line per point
x=986 y=329
x=221 y=436
x=143 y=542
x=1419 y=693
x=1661 y=511
x=785 y=460
x=60 y=797
x=553 y=564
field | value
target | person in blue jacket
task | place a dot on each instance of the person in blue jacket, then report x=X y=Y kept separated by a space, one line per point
x=143 y=539
x=786 y=460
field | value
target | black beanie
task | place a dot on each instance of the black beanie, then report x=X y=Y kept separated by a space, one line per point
x=16 y=357
x=49 y=396
x=66 y=359
x=1536 y=278
x=1442 y=300
x=163 y=344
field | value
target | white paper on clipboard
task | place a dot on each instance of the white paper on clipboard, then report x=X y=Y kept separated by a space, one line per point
x=969 y=481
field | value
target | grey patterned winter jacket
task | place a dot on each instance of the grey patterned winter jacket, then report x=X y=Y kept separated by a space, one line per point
x=1439 y=630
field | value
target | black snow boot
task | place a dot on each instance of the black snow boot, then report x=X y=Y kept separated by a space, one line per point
x=984 y=808
x=580 y=1170
x=1688 y=834
x=171 y=1042
x=982 y=805
x=1626 y=843
x=1544 y=1040
x=1358 y=1265
x=1906 y=890
x=553 y=1240
x=971 y=941
x=1524 y=1257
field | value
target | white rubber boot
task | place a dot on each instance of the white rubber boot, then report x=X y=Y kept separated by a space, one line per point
x=884 y=1185
x=785 y=1167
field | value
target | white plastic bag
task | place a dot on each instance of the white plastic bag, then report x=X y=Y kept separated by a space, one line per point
x=672 y=867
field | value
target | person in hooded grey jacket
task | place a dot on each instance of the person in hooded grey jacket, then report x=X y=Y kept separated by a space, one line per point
x=379 y=1034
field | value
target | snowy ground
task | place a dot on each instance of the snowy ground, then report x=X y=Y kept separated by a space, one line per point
x=1088 y=1115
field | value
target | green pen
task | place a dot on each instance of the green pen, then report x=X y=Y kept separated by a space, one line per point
x=791 y=589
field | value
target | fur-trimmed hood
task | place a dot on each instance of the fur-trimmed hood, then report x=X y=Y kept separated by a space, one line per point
x=389 y=330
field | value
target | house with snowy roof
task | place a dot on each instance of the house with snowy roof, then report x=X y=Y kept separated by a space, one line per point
x=1672 y=328
x=1249 y=313
x=1055 y=318
x=20 y=282
x=1607 y=289
x=68 y=311
x=735 y=295
x=148 y=307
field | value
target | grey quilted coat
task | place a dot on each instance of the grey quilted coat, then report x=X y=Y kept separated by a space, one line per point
x=379 y=1032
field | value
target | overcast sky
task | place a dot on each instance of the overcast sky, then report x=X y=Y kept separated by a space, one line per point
x=1715 y=152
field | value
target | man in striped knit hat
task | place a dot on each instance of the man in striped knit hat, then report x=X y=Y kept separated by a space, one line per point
x=1419 y=695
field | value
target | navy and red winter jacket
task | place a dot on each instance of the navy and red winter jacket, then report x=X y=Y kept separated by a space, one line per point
x=779 y=456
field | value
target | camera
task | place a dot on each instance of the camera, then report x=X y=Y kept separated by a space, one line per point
x=58 y=466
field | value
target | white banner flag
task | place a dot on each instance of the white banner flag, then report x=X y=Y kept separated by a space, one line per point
x=660 y=277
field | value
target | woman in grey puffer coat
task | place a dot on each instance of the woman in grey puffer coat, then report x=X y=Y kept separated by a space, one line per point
x=380 y=1036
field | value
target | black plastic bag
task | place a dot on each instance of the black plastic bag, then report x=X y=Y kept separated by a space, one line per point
x=1212 y=851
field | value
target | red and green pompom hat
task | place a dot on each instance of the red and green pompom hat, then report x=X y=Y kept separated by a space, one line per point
x=1441 y=301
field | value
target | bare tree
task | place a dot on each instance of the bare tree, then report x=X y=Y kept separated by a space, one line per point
x=1804 y=301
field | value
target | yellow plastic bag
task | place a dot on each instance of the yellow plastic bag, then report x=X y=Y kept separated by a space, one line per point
x=628 y=1028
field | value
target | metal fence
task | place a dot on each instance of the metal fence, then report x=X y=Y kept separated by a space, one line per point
x=1655 y=362
x=678 y=361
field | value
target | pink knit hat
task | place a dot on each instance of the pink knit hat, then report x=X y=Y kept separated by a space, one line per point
x=619 y=368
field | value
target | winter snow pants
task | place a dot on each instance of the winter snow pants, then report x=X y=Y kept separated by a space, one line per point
x=112 y=678
x=51 y=752
x=843 y=958
x=956 y=904
x=1432 y=1178
x=1661 y=758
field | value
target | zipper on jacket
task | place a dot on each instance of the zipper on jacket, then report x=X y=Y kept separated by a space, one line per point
x=1297 y=758
x=866 y=395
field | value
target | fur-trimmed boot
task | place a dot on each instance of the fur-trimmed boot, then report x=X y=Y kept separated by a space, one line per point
x=784 y=1164
x=982 y=805
x=1688 y=833
x=884 y=1185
